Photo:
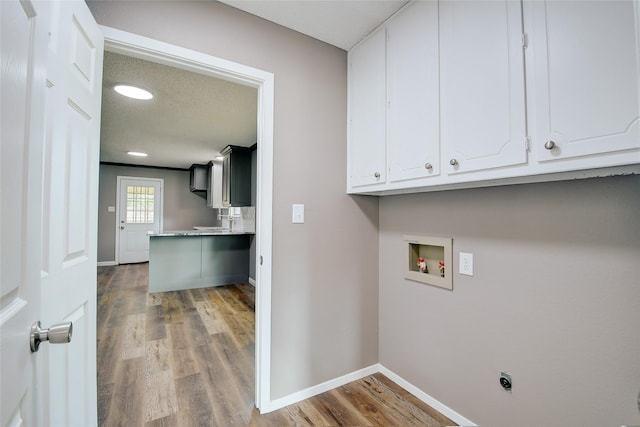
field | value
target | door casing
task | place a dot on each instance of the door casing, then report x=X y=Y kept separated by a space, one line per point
x=129 y=44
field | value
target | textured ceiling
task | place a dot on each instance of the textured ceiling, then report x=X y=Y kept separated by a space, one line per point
x=189 y=120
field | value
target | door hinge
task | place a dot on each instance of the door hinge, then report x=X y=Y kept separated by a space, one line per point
x=260 y=259
x=527 y=144
x=525 y=40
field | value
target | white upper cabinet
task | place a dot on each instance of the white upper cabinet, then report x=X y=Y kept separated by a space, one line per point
x=413 y=93
x=367 y=107
x=585 y=78
x=470 y=93
x=482 y=85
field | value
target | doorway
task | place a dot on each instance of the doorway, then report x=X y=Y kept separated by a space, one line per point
x=129 y=44
x=139 y=212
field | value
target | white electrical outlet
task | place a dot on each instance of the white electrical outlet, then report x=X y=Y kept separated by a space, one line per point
x=466 y=264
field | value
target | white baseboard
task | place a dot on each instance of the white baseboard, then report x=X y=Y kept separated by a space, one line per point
x=252 y=282
x=320 y=388
x=106 y=263
x=354 y=376
x=434 y=403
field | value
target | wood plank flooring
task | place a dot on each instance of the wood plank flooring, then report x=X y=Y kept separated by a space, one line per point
x=186 y=358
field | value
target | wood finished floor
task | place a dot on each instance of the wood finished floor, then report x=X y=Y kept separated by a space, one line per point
x=186 y=358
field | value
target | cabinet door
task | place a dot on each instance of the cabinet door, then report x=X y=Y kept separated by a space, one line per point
x=413 y=90
x=367 y=105
x=482 y=85
x=226 y=179
x=236 y=176
x=214 y=185
x=198 y=178
x=240 y=178
x=586 y=77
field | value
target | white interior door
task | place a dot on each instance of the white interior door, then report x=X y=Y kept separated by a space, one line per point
x=69 y=221
x=48 y=218
x=24 y=55
x=139 y=213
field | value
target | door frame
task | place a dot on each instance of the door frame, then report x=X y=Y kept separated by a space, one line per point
x=119 y=180
x=129 y=44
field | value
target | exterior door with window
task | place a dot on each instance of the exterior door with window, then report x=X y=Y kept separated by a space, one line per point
x=140 y=213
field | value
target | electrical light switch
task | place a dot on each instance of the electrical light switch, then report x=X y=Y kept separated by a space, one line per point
x=297 y=214
x=111 y=208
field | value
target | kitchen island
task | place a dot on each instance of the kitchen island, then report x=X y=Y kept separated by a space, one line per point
x=197 y=259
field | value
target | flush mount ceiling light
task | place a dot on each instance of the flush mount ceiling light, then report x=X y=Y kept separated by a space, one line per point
x=137 y=154
x=133 y=92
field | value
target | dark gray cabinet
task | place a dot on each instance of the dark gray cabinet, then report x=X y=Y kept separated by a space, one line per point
x=236 y=176
x=198 y=178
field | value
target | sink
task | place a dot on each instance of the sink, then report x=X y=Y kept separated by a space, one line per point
x=211 y=228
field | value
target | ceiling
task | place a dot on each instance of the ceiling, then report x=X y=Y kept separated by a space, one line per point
x=341 y=23
x=192 y=117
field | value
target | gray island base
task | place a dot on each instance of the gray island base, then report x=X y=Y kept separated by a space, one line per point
x=189 y=260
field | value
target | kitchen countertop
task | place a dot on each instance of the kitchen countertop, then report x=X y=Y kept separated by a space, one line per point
x=187 y=233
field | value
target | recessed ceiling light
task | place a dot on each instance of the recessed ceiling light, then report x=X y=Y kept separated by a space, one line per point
x=137 y=154
x=133 y=92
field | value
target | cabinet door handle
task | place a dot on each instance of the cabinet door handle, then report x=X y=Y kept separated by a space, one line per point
x=453 y=162
x=549 y=145
x=377 y=174
x=428 y=166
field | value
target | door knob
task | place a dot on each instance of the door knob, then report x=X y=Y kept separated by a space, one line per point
x=60 y=333
x=122 y=227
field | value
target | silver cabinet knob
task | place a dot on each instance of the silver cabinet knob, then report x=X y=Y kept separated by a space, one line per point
x=549 y=145
x=453 y=162
x=428 y=166
x=60 y=333
x=377 y=174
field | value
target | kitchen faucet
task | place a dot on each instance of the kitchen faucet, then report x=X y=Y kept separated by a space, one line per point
x=229 y=216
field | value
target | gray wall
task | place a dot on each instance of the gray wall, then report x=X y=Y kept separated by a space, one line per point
x=325 y=279
x=554 y=301
x=182 y=208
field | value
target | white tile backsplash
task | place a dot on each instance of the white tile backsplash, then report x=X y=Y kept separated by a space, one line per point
x=244 y=219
